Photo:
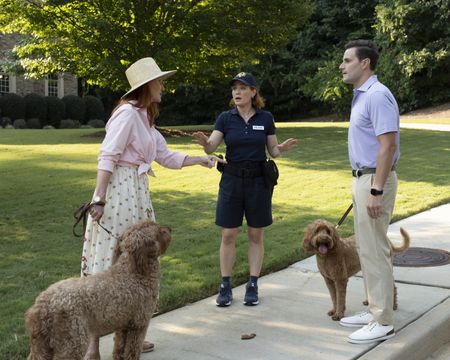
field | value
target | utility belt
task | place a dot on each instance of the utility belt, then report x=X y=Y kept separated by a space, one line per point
x=244 y=169
x=360 y=172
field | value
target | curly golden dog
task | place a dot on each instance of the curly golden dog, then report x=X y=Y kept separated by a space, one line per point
x=121 y=299
x=338 y=260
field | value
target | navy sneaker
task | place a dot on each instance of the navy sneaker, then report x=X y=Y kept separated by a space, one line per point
x=225 y=295
x=251 y=294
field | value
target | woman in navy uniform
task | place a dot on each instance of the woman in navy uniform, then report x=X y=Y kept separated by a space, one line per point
x=247 y=131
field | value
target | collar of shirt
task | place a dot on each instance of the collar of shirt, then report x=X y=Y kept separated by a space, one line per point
x=369 y=82
x=235 y=111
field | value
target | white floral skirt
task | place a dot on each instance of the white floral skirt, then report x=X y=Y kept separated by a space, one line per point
x=127 y=202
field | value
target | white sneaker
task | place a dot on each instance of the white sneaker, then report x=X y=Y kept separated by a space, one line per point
x=357 y=320
x=371 y=333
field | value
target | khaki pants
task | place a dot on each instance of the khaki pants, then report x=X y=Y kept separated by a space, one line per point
x=374 y=248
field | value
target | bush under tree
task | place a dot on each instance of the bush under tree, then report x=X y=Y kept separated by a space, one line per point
x=35 y=108
x=75 y=108
x=13 y=106
x=94 y=108
x=56 y=111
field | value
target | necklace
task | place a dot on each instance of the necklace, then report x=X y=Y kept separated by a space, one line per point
x=248 y=115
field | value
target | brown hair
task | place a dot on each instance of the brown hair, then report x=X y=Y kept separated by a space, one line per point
x=365 y=49
x=142 y=97
x=258 y=101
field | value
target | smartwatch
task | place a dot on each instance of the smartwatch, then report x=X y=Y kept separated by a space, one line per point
x=376 y=192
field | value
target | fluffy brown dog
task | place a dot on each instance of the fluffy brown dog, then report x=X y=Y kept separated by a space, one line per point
x=121 y=299
x=338 y=260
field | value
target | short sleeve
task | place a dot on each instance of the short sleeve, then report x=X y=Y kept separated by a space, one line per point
x=383 y=112
x=220 y=123
x=270 y=124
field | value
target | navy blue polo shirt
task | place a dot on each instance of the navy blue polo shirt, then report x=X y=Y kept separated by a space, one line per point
x=245 y=141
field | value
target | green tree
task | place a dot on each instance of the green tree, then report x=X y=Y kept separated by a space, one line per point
x=98 y=39
x=415 y=62
x=304 y=76
x=414 y=39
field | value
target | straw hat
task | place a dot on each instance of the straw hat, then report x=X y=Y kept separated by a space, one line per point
x=143 y=71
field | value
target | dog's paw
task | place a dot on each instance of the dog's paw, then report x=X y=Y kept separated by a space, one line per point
x=337 y=317
x=331 y=312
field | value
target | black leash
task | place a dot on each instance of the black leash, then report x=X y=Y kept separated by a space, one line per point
x=344 y=216
x=81 y=214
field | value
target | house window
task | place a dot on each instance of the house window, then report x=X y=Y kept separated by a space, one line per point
x=4 y=83
x=52 y=85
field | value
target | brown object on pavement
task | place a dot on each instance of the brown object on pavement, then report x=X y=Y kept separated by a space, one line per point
x=248 y=336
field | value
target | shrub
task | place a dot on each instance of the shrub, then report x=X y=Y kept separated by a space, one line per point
x=94 y=108
x=35 y=107
x=56 y=111
x=96 y=123
x=75 y=108
x=5 y=121
x=33 y=123
x=67 y=124
x=20 y=124
x=13 y=106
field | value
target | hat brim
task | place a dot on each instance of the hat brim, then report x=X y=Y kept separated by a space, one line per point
x=163 y=75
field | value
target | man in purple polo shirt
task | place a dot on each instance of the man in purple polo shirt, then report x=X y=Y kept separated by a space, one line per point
x=373 y=146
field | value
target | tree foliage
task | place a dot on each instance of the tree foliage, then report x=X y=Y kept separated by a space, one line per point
x=415 y=62
x=98 y=39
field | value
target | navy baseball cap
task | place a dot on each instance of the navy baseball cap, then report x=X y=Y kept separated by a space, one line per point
x=245 y=78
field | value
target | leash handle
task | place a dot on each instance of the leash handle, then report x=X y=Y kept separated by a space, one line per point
x=344 y=216
x=81 y=214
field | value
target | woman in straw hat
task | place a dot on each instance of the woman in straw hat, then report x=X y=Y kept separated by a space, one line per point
x=130 y=146
x=247 y=131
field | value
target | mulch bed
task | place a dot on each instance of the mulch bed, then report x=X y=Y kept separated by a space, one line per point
x=167 y=133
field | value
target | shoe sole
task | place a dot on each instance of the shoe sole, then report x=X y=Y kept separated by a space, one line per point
x=368 y=341
x=251 y=303
x=224 y=305
x=350 y=325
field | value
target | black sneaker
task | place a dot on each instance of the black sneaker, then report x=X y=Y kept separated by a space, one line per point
x=251 y=294
x=225 y=295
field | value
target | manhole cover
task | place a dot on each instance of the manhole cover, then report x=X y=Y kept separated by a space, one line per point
x=422 y=257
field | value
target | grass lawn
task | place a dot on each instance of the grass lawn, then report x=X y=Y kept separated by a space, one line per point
x=46 y=175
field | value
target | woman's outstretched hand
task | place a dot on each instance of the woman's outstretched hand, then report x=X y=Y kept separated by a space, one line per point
x=287 y=144
x=200 y=138
x=209 y=161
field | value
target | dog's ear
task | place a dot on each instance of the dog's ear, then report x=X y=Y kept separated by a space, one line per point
x=141 y=247
x=118 y=250
x=164 y=238
x=334 y=233
x=307 y=247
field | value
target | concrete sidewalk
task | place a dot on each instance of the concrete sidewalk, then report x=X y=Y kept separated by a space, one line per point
x=435 y=127
x=291 y=320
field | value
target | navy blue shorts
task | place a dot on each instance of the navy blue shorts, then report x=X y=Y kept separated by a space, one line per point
x=243 y=196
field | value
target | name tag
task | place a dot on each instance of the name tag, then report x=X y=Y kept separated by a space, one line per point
x=258 y=127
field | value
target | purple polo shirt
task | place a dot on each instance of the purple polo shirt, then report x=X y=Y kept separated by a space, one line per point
x=374 y=112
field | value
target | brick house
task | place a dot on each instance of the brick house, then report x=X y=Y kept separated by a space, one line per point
x=51 y=85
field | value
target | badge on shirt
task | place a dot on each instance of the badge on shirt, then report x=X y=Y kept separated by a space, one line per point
x=258 y=127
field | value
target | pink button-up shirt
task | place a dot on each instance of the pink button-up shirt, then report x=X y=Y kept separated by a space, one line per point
x=130 y=140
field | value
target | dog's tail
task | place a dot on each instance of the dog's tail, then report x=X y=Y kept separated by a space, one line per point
x=37 y=329
x=405 y=245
